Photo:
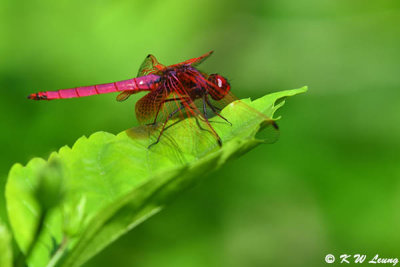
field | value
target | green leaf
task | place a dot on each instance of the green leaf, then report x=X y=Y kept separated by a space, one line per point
x=5 y=247
x=111 y=183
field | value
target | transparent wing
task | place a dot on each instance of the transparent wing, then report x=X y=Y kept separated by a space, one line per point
x=194 y=61
x=124 y=95
x=148 y=107
x=150 y=65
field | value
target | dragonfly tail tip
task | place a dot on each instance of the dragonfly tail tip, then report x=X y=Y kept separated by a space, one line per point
x=38 y=96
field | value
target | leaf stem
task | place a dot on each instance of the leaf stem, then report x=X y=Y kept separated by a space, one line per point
x=59 y=252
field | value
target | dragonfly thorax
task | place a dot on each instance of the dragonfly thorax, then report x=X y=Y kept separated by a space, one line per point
x=187 y=80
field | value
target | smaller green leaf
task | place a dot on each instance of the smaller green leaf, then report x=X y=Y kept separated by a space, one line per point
x=6 y=256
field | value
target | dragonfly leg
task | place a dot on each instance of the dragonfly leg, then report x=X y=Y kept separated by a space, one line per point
x=162 y=103
x=212 y=106
x=215 y=110
x=165 y=123
x=208 y=123
x=199 y=125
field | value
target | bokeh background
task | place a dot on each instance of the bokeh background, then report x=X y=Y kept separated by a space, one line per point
x=330 y=185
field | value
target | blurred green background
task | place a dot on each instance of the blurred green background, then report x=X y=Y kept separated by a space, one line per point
x=331 y=183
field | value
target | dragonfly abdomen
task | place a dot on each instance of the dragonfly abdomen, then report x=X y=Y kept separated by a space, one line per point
x=144 y=83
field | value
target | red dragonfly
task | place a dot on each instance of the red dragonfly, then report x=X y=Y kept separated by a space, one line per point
x=190 y=91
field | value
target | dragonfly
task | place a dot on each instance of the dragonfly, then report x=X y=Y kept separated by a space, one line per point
x=179 y=90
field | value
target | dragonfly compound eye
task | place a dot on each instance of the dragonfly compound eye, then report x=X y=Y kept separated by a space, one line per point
x=219 y=86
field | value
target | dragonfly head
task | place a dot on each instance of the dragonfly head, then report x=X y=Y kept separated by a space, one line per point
x=219 y=88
